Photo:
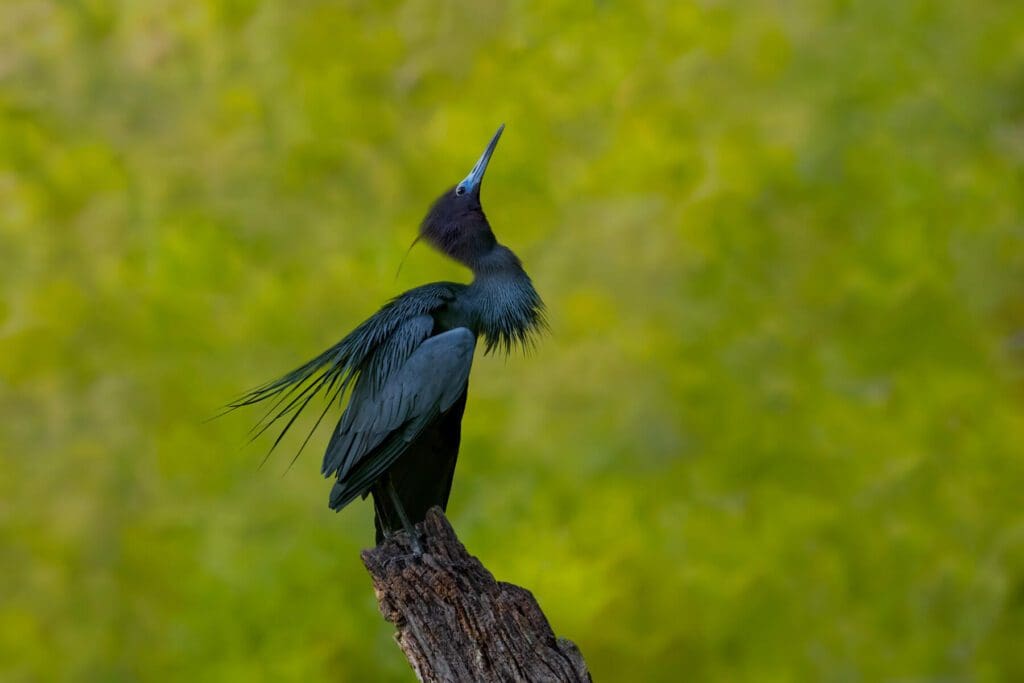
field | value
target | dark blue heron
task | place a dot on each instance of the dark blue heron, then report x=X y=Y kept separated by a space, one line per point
x=408 y=367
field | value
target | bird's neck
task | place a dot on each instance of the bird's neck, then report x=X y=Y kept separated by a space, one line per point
x=496 y=261
x=506 y=307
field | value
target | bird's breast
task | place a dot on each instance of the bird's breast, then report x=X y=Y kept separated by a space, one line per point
x=456 y=314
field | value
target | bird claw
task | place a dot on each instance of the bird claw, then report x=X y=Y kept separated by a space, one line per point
x=414 y=541
x=415 y=545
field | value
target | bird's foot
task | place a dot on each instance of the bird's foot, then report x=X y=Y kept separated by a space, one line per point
x=414 y=543
x=414 y=540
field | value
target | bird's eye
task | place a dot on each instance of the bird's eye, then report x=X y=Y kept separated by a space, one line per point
x=460 y=190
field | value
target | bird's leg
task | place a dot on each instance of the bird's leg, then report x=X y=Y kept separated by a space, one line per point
x=413 y=537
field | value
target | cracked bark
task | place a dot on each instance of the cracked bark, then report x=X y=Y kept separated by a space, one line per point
x=455 y=622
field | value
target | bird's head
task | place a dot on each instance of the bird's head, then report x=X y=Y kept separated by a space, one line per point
x=456 y=225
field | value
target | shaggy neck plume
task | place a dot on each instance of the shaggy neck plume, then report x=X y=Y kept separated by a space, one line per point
x=508 y=311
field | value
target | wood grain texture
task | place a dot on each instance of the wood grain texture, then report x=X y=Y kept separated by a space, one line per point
x=455 y=622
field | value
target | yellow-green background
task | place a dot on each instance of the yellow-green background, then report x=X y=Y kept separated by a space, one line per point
x=776 y=432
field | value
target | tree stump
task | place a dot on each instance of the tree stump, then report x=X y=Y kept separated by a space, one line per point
x=455 y=622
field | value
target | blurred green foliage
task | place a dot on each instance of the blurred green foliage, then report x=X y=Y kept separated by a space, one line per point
x=776 y=433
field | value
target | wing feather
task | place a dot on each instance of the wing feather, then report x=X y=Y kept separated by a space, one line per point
x=366 y=358
x=377 y=427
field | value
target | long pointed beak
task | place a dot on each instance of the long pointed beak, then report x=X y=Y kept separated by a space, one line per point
x=472 y=181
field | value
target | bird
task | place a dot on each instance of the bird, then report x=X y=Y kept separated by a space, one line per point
x=408 y=368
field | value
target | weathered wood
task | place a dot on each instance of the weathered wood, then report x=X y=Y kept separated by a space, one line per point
x=455 y=622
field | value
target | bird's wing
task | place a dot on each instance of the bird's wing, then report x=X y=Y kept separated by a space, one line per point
x=389 y=356
x=378 y=425
x=371 y=352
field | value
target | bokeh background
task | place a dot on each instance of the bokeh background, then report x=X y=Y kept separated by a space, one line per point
x=775 y=434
